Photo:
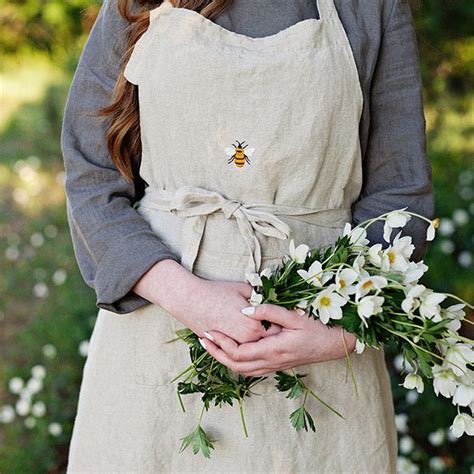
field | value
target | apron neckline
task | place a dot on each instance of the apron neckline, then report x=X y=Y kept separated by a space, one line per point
x=292 y=33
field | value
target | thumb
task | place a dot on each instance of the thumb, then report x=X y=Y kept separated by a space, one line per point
x=275 y=314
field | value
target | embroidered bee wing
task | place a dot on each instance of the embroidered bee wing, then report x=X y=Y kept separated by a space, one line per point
x=249 y=151
x=229 y=151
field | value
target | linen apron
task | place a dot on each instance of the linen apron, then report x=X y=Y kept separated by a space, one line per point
x=247 y=142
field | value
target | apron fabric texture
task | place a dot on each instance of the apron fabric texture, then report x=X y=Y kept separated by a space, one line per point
x=247 y=142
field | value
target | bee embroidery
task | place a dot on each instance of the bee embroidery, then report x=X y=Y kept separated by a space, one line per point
x=239 y=154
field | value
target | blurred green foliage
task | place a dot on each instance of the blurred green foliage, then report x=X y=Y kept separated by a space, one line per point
x=46 y=311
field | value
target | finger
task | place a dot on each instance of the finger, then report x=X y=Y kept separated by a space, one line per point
x=234 y=366
x=275 y=314
x=246 y=352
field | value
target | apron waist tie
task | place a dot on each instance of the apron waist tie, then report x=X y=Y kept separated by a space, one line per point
x=196 y=204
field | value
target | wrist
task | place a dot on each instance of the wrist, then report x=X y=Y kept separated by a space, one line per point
x=163 y=283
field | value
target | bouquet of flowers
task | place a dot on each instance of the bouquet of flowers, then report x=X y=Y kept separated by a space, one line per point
x=371 y=292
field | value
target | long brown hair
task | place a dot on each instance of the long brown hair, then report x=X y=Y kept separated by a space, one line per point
x=123 y=129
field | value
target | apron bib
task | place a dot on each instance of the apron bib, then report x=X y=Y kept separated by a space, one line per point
x=246 y=143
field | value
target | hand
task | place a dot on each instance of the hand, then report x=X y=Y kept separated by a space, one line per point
x=302 y=340
x=202 y=304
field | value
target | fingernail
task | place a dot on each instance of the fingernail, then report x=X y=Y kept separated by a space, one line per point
x=248 y=310
x=208 y=336
x=202 y=343
x=300 y=311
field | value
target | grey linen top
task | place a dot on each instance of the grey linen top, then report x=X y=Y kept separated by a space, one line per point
x=115 y=246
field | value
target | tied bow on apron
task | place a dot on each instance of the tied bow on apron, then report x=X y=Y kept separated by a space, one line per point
x=196 y=204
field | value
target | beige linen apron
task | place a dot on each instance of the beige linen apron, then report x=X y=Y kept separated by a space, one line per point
x=292 y=101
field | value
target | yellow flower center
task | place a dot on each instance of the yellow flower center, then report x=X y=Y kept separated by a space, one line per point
x=325 y=301
x=342 y=283
x=367 y=284
x=391 y=256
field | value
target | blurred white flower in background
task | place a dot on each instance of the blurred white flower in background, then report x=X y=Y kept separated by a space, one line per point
x=447 y=246
x=411 y=397
x=7 y=414
x=37 y=239
x=401 y=422
x=51 y=231
x=30 y=422
x=34 y=385
x=38 y=409
x=16 y=385
x=38 y=371
x=84 y=348
x=40 y=290
x=12 y=253
x=22 y=406
x=49 y=351
x=465 y=258
x=446 y=227
x=436 y=438
x=406 y=444
x=460 y=216
x=59 y=276
x=406 y=466
x=437 y=464
x=55 y=428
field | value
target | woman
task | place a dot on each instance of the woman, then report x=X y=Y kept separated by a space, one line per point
x=308 y=113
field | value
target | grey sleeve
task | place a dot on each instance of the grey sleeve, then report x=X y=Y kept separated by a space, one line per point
x=114 y=245
x=397 y=172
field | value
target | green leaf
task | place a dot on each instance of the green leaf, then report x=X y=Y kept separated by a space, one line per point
x=199 y=440
x=301 y=418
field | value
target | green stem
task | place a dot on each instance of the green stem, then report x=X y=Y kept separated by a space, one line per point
x=242 y=417
x=324 y=403
x=349 y=365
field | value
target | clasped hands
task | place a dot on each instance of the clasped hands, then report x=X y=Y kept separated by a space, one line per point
x=294 y=339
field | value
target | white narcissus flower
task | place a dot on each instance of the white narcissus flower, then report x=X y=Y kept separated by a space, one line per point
x=414 y=272
x=411 y=301
x=328 y=304
x=463 y=423
x=302 y=304
x=431 y=230
x=344 y=281
x=368 y=306
x=456 y=314
x=376 y=255
x=298 y=254
x=368 y=283
x=429 y=307
x=358 y=263
x=253 y=278
x=396 y=218
x=464 y=393
x=266 y=272
x=414 y=381
x=315 y=275
x=457 y=357
x=455 y=311
x=359 y=347
x=255 y=298
x=444 y=381
x=358 y=235
x=399 y=253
